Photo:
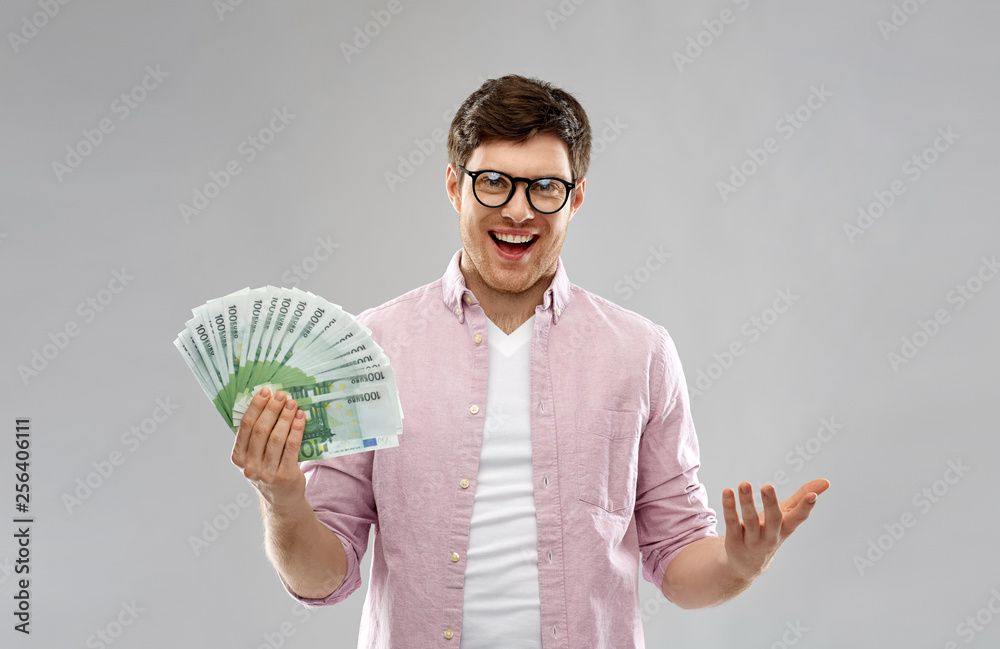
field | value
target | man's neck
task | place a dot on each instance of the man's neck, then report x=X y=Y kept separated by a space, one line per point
x=506 y=315
x=507 y=311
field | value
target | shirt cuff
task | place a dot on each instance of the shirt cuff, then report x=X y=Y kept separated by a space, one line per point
x=661 y=562
x=352 y=580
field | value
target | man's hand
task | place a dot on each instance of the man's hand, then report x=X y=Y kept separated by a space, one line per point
x=267 y=448
x=751 y=544
x=307 y=554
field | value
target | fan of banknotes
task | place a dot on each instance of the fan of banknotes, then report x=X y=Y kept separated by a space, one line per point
x=297 y=342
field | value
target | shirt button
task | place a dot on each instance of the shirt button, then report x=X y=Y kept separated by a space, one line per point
x=455 y=557
x=558 y=313
x=448 y=634
x=458 y=310
x=478 y=338
x=474 y=409
x=463 y=483
x=468 y=299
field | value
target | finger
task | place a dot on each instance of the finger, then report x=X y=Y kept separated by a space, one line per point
x=811 y=487
x=246 y=424
x=734 y=529
x=275 y=444
x=261 y=430
x=290 y=454
x=751 y=520
x=798 y=514
x=817 y=486
x=772 y=514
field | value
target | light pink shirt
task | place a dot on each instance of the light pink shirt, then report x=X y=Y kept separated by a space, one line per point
x=614 y=460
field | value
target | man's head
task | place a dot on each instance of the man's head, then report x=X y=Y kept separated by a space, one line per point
x=524 y=128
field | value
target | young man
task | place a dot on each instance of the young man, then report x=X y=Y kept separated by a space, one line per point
x=548 y=434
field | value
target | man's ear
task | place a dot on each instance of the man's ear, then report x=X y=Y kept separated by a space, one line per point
x=581 y=186
x=451 y=179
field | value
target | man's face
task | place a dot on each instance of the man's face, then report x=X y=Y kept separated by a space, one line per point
x=513 y=267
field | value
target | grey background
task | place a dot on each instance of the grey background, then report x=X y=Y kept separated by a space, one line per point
x=653 y=183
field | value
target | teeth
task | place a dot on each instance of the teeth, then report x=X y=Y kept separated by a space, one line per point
x=513 y=238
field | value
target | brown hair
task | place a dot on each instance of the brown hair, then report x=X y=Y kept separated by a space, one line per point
x=516 y=108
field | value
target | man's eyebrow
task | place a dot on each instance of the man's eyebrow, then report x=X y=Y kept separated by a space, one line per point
x=547 y=174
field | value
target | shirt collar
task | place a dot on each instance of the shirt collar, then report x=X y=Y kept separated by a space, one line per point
x=457 y=296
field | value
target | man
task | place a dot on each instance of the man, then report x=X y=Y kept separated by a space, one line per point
x=548 y=434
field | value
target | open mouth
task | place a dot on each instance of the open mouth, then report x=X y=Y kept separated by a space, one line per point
x=513 y=245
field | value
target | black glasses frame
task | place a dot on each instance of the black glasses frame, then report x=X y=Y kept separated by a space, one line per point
x=570 y=186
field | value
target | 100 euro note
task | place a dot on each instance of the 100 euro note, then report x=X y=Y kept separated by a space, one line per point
x=301 y=344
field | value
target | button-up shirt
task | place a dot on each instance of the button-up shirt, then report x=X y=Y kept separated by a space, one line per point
x=614 y=463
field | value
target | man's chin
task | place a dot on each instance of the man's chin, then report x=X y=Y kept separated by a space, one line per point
x=507 y=287
x=509 y=283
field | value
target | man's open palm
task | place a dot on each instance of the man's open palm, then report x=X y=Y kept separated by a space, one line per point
x=752 y=542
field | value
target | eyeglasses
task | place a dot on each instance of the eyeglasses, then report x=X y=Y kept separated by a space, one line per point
x=495 y=189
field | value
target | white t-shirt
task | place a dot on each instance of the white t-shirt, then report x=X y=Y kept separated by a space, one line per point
x=501 y=606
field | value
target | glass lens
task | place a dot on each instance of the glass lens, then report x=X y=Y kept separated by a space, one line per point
x=492 y=188
x=547 y=194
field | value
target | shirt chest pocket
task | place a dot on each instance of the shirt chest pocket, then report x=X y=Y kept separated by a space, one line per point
x=607 y=457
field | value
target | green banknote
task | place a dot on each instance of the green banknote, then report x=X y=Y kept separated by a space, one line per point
x=297 y=342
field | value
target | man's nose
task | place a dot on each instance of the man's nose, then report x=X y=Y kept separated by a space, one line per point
x=519 y=209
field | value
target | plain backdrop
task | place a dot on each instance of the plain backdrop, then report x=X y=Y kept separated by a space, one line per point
x=840 y=154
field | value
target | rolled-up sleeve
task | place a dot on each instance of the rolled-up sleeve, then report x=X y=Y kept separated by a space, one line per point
x=671 y=509
x=340 y=492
